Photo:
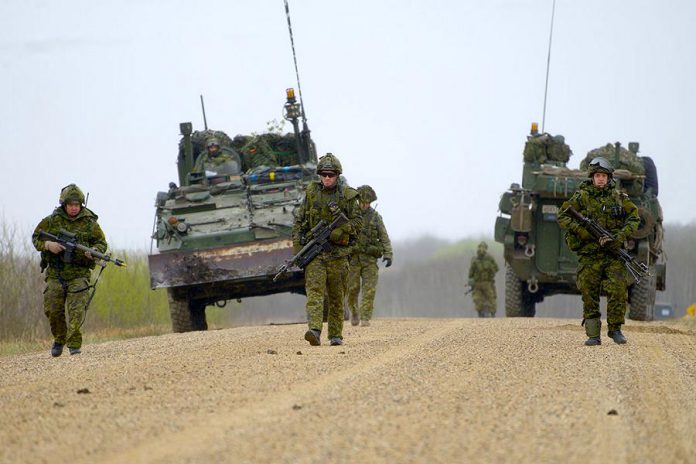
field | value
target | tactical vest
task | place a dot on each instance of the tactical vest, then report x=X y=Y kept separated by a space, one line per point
x=368 y=241
x=319 y=202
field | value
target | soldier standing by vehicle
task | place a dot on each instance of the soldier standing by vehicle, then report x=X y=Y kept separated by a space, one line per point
x=482 y=281
x=599 y=267
x=372 y=243
x=327 y=272
x=67 y=283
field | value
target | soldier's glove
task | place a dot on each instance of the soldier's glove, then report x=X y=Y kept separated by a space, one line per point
x=53 y=247
x=387 y=261
x=604 y=240
x=340 y=236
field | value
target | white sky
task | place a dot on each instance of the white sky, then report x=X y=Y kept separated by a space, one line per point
x=427 y=101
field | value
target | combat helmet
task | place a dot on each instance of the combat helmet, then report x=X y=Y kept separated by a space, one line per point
x=212 y=141
x=600 y=164
x=71 y=193
x=329 y=162
x=367 y=194
x=483 y=246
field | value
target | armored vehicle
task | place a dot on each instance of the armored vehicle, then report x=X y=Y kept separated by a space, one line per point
x=225 y=229
x=538 y=263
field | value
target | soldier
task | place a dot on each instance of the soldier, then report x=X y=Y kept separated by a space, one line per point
x=598 y=265
x=372 y=243
x=67 y=283
x=328 y=271
x=214 y=157
x=482 y=281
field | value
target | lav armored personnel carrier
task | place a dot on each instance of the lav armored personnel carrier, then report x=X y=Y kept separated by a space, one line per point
x=538 y=262
x=222 y=234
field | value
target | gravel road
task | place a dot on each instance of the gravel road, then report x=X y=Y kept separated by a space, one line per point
x=399 y=391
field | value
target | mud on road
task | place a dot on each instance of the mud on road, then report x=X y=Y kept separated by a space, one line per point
x=401 y=390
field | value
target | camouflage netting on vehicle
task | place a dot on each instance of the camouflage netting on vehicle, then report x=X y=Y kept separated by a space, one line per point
x=269 y=149
x=627 y=159
x=546 y=147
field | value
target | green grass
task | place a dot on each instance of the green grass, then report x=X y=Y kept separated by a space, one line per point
x=14 y=347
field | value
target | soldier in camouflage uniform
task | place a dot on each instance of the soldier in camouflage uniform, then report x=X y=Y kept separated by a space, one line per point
x=67 y=283
x=482 y=281
x=598 y=265
x=372 y=243
x=328 y=271
x=214 y=157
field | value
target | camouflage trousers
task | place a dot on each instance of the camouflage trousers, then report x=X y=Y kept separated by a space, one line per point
x=326 y=274
x=363 y=273
x=56 y=301
x=603 y=272
x=484 y=297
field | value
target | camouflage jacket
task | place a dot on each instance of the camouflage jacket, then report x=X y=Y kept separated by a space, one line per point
x=88 y=233
x=316 y=207
x=373 y=239
x=483 y=268
x=612 y=210
x=211 y=163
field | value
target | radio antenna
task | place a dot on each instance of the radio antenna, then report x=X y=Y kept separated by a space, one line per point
x=205 y=121
x=294 y=57
x=548 y=65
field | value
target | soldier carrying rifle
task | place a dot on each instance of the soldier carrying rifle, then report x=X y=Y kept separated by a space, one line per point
x=69 y=241
x=327 y=272
x=602 y=263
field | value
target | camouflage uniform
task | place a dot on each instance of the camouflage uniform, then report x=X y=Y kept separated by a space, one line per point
x=598 y=266
x=208 y=161
x=372 y=243
x=67 y=284
x=482 y=281
x=328 y=271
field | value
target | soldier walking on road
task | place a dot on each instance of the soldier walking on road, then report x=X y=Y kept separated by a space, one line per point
x=598 y=265
x=327 y=272
x=482 y=281
x=67 y=282
x=372 y=243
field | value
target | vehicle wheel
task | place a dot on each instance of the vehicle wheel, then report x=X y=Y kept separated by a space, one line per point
x=513 y=294
x=641 y=298
x=518 y=301
x=650 y=175
x=186 y=315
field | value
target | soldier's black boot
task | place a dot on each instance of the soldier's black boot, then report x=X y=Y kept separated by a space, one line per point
x=354 y=318
x=75 y=350
x=56 y=349
x=593 y=328
x=617 y=336
x=336 y=341
x=313 y=337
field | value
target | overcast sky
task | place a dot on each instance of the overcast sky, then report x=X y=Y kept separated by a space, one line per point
x=427 y=101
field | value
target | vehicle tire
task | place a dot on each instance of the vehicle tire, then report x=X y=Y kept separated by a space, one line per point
x=518 y=301
x=641 y=298
x=651 y=181
x=513 y=294
x=186 y=315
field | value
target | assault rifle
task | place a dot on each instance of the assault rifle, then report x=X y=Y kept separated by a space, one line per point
x=319 y=242
x=637 y=269
x=69 y=242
